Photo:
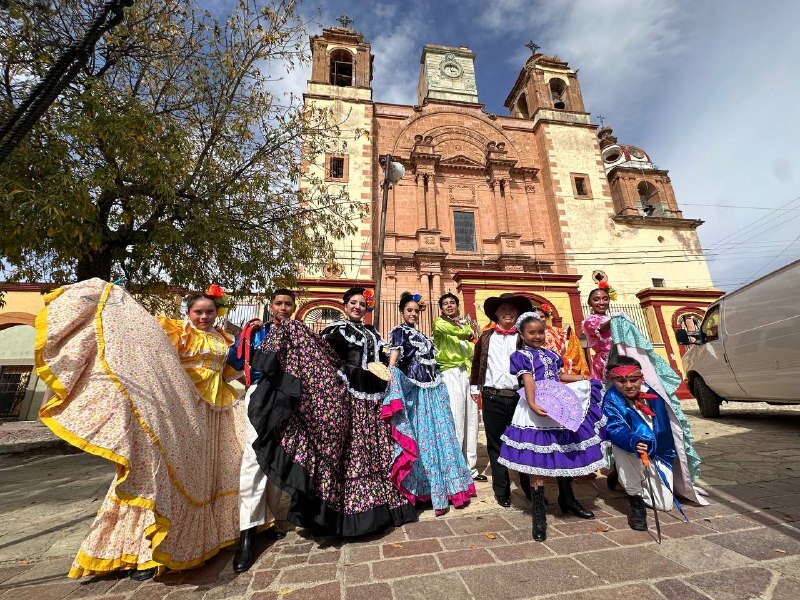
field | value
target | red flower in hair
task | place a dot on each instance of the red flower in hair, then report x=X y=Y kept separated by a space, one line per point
x=546 y=308
x=603 y=285
x=215 y=291
x=369 y=296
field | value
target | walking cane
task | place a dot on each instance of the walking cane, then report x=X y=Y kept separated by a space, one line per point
x=646 y=463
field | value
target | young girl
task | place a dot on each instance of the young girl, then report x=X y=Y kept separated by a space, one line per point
x=564 y=342
x=536 y=444
x=597 y=328
x=428 y=461
x=121 y=392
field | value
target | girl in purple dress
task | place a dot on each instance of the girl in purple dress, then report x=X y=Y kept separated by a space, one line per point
x=536 y=444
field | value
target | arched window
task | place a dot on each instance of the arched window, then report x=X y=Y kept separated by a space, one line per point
x=690 y=322
x=558 y=92
x=318 y=319
x=648 y=198
x=522 y=107
x=341 y=68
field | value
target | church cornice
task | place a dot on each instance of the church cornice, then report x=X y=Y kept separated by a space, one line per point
x=661 y=222
x=637 y=171
x=308 y=96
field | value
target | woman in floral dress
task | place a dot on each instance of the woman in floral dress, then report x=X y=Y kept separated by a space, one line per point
x=429 y=464
x=159 y=408
x=321 y=438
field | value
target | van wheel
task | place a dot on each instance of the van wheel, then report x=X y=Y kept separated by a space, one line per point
x=707 y=400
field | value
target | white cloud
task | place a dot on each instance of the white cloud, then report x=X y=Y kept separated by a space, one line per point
x=397 y=66
x=709 y=89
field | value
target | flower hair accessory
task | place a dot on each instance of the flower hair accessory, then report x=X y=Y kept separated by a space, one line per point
x=222 y=301
x=546 y=308
x=419 y=300
x=369 y=296
x=605 y=286
x=525 y=316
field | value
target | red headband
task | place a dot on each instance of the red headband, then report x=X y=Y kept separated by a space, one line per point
x=624 y=370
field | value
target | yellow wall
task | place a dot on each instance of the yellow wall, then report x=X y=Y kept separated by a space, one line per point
x=30 y=302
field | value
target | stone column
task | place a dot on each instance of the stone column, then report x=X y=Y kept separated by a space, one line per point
x=420 y=200
x=436 y=287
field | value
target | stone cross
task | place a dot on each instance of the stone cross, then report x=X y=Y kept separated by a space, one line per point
x=345 y=20
x=533 y=47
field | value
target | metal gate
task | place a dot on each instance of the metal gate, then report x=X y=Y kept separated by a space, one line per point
x=13 y=386
x=634 y=311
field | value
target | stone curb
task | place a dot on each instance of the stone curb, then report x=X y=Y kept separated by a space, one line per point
x=57 y=446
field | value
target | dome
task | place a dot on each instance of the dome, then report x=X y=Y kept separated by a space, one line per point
x=621 y=155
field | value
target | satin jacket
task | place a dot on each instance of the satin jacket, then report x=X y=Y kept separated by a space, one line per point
x=626 y=427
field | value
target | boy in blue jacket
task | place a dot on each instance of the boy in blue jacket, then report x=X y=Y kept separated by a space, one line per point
x=638 y=423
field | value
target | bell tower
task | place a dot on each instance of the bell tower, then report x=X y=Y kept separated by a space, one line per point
x=341 y=86
x=341 y=58
x=546 y=85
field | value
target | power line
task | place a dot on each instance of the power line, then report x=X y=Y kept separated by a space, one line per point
x=737 y=206
x=749 y=228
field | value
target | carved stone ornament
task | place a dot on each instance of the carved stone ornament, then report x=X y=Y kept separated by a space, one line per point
x=463 y=194
x=430 y=240
x=333 y=269
x=511 y=244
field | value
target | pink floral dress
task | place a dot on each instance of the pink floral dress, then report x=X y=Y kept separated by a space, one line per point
x=599 y=342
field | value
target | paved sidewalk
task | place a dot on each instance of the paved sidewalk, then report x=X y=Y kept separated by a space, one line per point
x=30 y=436
x=744 y=545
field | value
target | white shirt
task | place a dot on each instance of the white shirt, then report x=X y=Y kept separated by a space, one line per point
x=498 y=362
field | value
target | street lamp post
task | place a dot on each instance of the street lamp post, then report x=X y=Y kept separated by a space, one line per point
x=392 y=173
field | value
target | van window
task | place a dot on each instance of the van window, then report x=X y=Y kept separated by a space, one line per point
x=710 y=327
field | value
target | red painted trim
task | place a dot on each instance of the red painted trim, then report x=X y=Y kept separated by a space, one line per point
x=653 y=293
x=469 y=300
x=577 y=310
x=667 y=343
x=28 y=287
x=517 y=277
x=12 y=319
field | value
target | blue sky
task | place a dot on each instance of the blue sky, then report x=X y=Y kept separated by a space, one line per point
x=710 y=89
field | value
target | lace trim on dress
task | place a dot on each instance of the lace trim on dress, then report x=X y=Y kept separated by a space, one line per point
x=360 y=395
x=563 y=448
x=399 y=349
x=587 y=470
x=427 y=384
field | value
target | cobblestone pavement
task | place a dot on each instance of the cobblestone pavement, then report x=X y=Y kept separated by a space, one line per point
x=746 y=544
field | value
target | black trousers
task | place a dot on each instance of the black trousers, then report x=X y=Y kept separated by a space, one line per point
x=497 y=414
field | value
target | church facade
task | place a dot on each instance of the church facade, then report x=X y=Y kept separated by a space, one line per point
x=538 y=201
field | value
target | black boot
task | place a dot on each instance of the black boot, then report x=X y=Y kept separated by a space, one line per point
x=142 y=574
x=612 y=479
x=539 y=515
x=567 y=501
x=637 y=514
x=244 y=557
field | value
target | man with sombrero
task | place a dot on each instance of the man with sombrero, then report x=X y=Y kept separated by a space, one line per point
x=491 y=377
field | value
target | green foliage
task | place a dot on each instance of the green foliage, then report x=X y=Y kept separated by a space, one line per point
x=169 y=159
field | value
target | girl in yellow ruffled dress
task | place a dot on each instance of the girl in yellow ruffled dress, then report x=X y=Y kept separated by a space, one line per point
x=168 y=420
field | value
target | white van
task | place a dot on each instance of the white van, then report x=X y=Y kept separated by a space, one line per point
x=748 y=347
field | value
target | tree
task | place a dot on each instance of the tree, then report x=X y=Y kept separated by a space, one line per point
x=169 y=159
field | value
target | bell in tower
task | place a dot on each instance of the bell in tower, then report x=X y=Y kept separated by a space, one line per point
x=341 y=58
